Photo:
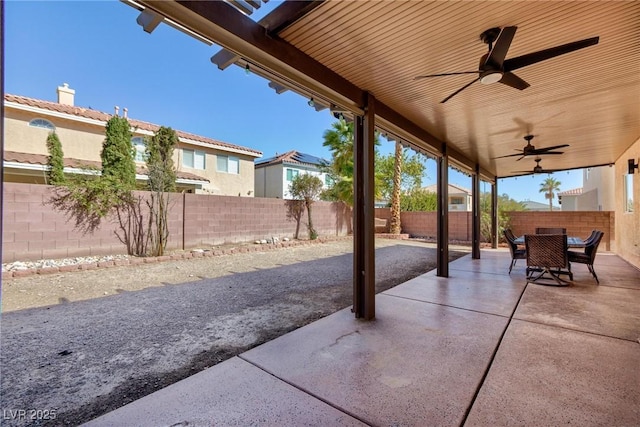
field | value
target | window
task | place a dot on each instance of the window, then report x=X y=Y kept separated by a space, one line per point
x=628 y=193
x=328 y=181
x=140 y=148
x=193 y=159
x=228 y=164
x=457 y=201
x=42 y=123
x=292 y=173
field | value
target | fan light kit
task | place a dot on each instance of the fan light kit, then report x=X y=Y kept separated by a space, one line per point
x=494 y=68
x=538 y=169
x=531 y=150
x=491 y=77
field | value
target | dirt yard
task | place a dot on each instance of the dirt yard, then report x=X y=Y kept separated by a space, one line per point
x=84 y=343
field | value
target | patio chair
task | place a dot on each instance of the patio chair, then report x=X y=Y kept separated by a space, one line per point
x=516 y=253
x=552 y=230
x=589 y=255
x=593 y=235
x=547 y=254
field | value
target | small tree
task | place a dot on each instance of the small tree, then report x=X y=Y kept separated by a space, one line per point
x=307 y=188
x=295 y=210
x=162 y=179
x=55 y=161
x=117 y=155
x=505 y=205
x=88 y=199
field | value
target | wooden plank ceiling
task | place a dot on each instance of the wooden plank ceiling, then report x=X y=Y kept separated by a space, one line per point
x=589 y=99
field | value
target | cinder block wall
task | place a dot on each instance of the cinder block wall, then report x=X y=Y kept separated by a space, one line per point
x=423 y=224
x=211 y=220
x=579 y=223
x=33 y=229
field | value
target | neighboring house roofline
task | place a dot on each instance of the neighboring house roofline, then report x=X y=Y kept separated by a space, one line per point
x=572 y=192
x=26 y=161
x=95 y=117
x=292 y=157
x=458 y=190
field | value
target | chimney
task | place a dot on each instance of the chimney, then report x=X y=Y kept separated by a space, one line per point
x=65 y=94
x=116 y=110
x=125 y=110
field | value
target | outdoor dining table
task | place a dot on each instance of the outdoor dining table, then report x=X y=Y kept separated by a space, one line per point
x=572 y=241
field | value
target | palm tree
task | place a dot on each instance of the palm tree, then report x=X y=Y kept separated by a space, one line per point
x=394 y=223
x=339 y=140
x=549 y=187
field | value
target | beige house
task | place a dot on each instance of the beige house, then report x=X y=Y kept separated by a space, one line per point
x=596 y=194
x=203 y=165
x=459 y=197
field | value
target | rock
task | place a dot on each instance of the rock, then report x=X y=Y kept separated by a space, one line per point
x=286 y=239
x=263 y=242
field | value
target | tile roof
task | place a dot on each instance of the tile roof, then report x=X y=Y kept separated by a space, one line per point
x=572 y=192
x=41 y=159
x=88 y=113
x=291 y=157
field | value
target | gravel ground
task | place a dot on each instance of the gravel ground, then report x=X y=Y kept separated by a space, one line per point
x=88 y=353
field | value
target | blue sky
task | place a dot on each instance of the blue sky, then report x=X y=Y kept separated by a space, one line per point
x=167 y=78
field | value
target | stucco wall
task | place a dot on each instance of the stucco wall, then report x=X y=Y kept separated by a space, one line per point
x=79 y=140
x=628 y=224
x=34 y=230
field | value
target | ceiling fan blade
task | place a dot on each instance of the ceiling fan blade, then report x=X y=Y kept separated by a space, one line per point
x=554 y=147
x=514 y=81
x=509 y=155
x=459 y=90
x=501 y=46
x=542 y=55
x=544 y=153
x=446 y=74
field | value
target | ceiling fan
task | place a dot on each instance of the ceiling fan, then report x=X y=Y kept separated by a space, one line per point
x=493 y=66
x=538 y=169
x=531 y=150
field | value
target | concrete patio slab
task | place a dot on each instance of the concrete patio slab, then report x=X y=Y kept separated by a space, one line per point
x=547 y=376
x=483 y=292
x=417 y=364
x=612 y=271
x=230 y=393
x=491 y=261
x=605 y=310
x=569 y=356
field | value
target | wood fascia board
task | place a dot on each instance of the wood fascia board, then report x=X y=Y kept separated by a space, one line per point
x=286 y=14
